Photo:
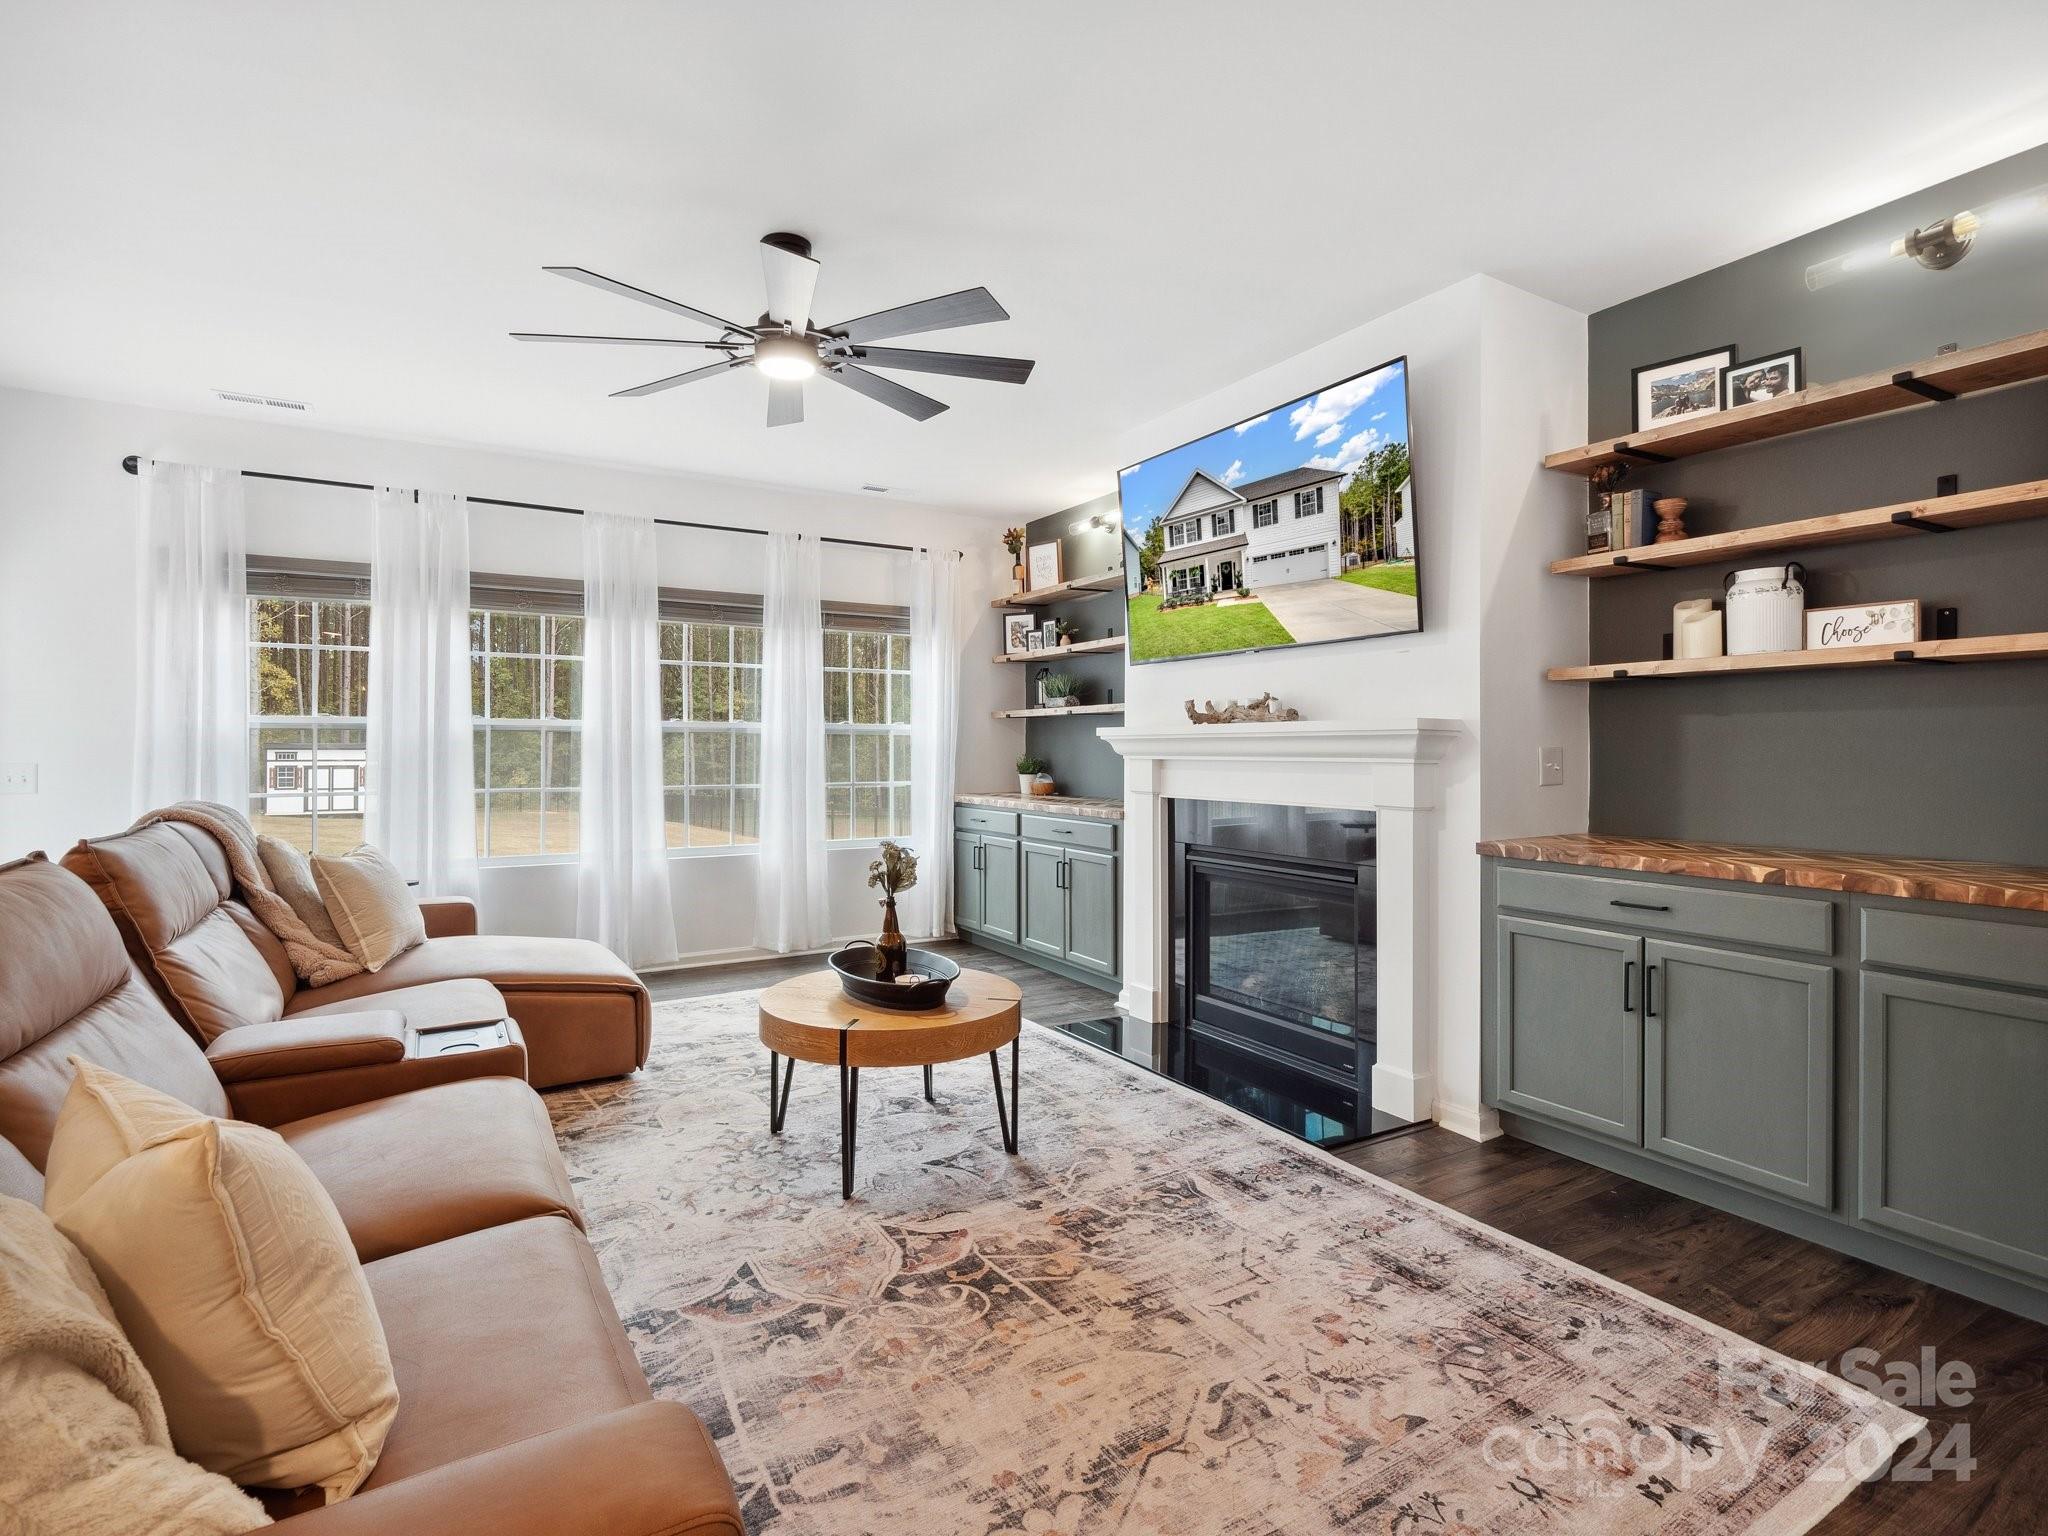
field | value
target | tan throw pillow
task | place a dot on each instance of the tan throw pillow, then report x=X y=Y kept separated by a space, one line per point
x=233 y=1277
x=291 y=876
x=376 y=915
x=87 y=1449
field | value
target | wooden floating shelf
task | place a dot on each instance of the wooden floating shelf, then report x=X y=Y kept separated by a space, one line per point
x=1921 y=653
x=1078 y=648
x=1906 y=519
x=1071 y=709
x=1042 y=596
x=2012 y=361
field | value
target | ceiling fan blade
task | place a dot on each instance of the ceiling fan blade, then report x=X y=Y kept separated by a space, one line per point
x=677 y=378
x=627 y=290
x=791 y=281
x=1004 y=370
x=785 y=402
x=970 y=306
x=887 y=391
x=620 y=341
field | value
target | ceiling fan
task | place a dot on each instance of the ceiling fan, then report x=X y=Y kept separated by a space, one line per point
x=787 y=348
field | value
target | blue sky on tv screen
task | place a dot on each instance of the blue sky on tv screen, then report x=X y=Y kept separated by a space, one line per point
x=1334 y=428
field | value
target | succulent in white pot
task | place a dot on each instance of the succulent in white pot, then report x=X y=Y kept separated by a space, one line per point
x=1029 y=769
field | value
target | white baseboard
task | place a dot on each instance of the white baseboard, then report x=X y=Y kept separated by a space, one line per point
x=1405 y=1095
x=1473 y=1122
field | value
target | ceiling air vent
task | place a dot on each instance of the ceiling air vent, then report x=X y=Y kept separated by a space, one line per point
x=236 y=397
x=879 y=490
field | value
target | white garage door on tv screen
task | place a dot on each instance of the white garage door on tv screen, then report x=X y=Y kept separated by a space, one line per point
x=1295 y=527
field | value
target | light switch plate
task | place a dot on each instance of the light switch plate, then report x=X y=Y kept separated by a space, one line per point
x=1549 y=766
x=17 y=778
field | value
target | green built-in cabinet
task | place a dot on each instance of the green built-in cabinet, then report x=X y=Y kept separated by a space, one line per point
x=1868 y=1073
x=1044 y=888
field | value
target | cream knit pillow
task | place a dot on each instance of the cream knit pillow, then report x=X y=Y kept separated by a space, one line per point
x=374 y=912
x=291 y=876
x=232 y=1275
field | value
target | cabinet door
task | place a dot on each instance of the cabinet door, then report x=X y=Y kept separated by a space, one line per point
x=1739 y=1067
x=1952 y=1138
x=967 y=881
x=1045 y=900
x=999 y=887
x=1091 y=910
x=1569 y=1044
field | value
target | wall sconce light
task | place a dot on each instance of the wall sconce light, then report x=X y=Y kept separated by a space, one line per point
x=1938 y=246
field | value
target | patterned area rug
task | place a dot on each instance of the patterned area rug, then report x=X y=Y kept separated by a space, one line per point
x=1161 y=1319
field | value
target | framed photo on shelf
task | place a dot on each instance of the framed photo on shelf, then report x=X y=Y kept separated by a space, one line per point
x=1035 y=641
x=1049 y=631
x=1044 y=567
x=1767 y=378
x=1017 y=630
x=1679 y=387
x=1829 y=629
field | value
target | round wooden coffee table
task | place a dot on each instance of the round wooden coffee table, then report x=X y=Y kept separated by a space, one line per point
x=808 y=1018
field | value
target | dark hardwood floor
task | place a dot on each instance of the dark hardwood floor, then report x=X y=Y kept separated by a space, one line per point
x=1796 y=1297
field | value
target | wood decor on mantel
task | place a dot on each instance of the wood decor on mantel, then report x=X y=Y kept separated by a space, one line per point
x=2015 y=360
x=2027 y=647
x=2017 y=886
x=1905 y=519
x=1262 y=710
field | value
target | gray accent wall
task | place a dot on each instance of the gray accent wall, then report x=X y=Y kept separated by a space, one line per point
x=1081 y=763
x=1936 y=761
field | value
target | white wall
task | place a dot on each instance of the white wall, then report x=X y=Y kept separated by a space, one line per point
x=1496 y=378
x=67 y=536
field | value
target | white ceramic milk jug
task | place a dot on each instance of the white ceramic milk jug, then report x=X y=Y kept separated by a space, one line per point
x=1766 y=609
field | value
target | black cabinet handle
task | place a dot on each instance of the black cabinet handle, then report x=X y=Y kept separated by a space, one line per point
x=1628 y=986
x=1650 y=992
x=1639 y=906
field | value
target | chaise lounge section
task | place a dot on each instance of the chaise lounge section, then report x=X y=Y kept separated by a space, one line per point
x=582 y=1012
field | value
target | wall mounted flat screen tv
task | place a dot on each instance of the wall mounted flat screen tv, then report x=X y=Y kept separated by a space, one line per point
x=1295 y=527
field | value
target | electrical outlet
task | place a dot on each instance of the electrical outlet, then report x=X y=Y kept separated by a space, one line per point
x=17 y=778
x=1549 y=766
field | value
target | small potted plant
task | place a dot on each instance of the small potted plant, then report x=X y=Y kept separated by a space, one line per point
x=1028 y=769
x=1062 y=690
x=1013 y=541
x=1068 y=631
x=894 y=872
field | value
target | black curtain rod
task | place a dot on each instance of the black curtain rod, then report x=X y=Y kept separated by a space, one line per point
x=133 y=465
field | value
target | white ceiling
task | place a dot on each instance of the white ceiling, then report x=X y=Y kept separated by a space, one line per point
x=350 y=203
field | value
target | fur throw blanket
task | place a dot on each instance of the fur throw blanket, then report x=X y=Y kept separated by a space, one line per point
x=316 y=961
x=84 y=1447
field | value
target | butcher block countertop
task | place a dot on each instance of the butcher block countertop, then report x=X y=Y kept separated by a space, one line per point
x=1048 y=805
x=1980 y=885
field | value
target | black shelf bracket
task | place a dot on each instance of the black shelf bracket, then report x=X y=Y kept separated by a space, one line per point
x=1908 y=520
x=1925 y=661
x=1921 y=387
x=1621 y=560
x=1640 y=455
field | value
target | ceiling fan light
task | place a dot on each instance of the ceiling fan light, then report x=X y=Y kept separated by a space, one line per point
x=786 y=357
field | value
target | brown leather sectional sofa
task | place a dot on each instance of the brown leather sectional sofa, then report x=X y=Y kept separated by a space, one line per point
x=582 y=1013
x=522 y=1409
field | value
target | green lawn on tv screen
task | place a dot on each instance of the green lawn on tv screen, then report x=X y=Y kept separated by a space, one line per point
x=1196 y=631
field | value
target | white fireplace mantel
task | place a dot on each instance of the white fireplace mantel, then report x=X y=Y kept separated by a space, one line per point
x=1390 y=768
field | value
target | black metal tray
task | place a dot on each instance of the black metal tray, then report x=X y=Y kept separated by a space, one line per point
x=858 y=962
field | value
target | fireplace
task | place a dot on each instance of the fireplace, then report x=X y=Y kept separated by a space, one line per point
x=1318 y=1004
x=1273 y=1003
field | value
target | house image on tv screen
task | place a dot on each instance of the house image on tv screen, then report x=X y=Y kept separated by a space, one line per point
x=298 y=780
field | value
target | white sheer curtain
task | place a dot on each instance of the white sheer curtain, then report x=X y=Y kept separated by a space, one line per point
x=422 y=779
x=622 y=897
x=191 y=638
x=789 y=872
x=935 y=641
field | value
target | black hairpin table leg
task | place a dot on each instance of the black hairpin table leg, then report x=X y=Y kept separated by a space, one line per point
x=849 y=1103
x=928 y=1087
x=778 y=1101
x=1006 y=1116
